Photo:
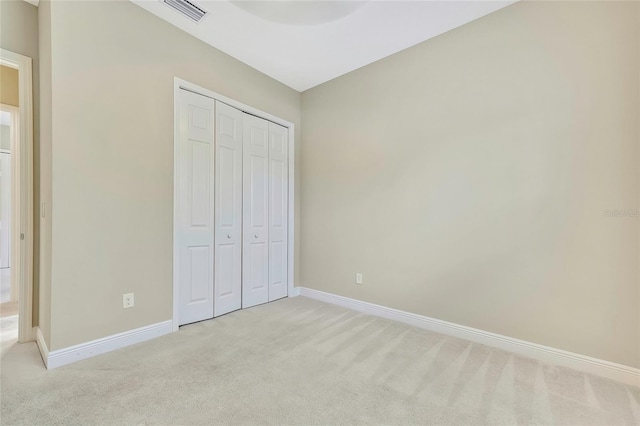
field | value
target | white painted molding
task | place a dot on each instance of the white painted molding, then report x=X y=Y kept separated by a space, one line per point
x=60 y=357
x=33 y=2
x=610 y=370
x=42 y=346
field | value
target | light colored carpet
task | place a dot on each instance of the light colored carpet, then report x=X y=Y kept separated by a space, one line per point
x=8 y=327
x=299 y=361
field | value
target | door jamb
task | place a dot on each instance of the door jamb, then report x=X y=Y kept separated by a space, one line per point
x=22 y=198
x=179 y=84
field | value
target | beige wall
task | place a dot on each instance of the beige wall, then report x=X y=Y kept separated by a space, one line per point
x=9 y=86
x=467 y=178
x=19 y=34
x=44 y=26
x=112 y=70
x=9 y=91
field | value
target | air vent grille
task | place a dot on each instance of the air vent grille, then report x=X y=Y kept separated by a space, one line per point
x=187 y=8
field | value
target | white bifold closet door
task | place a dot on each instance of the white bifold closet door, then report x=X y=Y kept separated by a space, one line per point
x=278 y=210
x=228 y=210
x=195 y=221
x=255 y=211
x=265 y=201
x=232 y=209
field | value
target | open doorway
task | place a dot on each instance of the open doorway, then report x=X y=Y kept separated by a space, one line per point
x=16 y=197
x=9 y=125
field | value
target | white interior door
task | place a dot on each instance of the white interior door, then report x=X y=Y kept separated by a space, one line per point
x=5 y=209
x=278 y=208
x=255 y=207
x=195 y=213
x=228 y=210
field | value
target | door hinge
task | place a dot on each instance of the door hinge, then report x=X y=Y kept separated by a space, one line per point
x=21 y=236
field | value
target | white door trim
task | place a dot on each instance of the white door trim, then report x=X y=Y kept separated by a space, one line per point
x=22 y=198
x=178 y=84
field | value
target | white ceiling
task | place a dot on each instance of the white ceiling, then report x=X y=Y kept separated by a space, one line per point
x=305 y=43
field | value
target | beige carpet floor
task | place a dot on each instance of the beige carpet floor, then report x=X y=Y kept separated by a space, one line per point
x=298 y=361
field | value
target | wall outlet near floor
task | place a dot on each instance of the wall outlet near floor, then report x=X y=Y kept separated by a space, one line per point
x=358 y=278
x=128 y=301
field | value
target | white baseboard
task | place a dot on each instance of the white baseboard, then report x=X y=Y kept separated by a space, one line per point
x=295 y=291
x=610 y=370
x=42 y=346
x=60 y=357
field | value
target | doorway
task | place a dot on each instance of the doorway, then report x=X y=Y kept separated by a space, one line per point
x=17 y=194
x=9 y=119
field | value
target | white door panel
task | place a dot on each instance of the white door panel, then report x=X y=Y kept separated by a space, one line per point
x=228 y=210
x=255 y=260
x=195 y=212
x=278 y=211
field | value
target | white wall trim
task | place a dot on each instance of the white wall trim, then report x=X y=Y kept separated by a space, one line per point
x=175 y=315
x=294 y=292
x=60 y=357
x=178 y=84
x=599 y=367
x=42 y=346
x=22 y=198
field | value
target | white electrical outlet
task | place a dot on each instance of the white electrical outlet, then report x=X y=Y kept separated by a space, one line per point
x=128 y=301
x=358 y=278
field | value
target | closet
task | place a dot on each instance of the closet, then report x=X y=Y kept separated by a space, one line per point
x=231 y=208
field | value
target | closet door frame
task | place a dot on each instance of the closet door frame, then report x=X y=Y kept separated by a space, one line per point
x=180 y=84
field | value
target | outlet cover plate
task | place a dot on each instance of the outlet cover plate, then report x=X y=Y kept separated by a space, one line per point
x=128 y=301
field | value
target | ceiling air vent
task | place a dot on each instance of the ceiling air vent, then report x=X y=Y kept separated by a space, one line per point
x=187 y=8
